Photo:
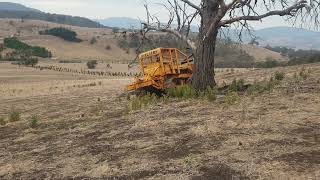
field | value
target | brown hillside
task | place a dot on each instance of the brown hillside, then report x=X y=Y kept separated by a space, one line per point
x=261 y=54
x=28 y=32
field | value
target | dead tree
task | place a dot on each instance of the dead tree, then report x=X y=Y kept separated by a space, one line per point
x=217 y=14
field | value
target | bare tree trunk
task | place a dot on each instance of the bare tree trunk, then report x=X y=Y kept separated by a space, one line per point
x=203 y=76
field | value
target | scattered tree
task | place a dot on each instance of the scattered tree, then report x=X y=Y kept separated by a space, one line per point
x=108 y=47
x=63 y=33
x=93 y=40
x=92 y=64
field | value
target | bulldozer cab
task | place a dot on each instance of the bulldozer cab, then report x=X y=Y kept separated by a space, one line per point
x=163 y=68
x=163 y=60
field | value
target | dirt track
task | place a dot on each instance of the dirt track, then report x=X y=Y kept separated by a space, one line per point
x=85 y=133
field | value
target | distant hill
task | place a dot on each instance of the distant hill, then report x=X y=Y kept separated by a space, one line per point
x=8 y=6
x=28 y=32
x=18 y=11
x=120 y=22
x=296 y=38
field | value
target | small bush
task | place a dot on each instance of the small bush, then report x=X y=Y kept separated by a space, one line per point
x=2 y=121
x=14 y=115
x=29 y=61
x=137 y=102
x=93 y=40
x=34 y=122
x=269 y=63
x=92 y=64
x=279 y=76
x=209 y=94
x=261 y=87
x=231 y=98
x=304 y=74
x=108 y=47
x=188 y=92
x=189 y=160
x=183 y=92
x=237 y=85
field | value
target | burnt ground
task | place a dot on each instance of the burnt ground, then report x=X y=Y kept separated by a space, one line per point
x=85 y=135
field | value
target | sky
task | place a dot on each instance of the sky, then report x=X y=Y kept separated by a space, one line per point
x=100 y=9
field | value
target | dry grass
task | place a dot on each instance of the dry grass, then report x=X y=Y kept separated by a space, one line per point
x=86 y=51
x=84 y=132
x=66 y=50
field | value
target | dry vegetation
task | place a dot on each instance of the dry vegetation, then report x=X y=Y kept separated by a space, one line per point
x=28 y=32
x=104 y=48
x=77 y=126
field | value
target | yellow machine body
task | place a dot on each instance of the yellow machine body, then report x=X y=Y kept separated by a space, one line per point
x=163 y=68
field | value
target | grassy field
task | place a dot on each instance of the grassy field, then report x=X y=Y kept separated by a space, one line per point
x=70 y=126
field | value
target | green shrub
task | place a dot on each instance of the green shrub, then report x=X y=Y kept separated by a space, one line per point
x=63 y=33
x=183 y=92
x=34 y=122
x=189 y=160
x=279 y=76
x=93 y=40
x=28 y=61
x=1 y=47
x=237 y=85
x=139 y=102
x=269 y=63
x=261 y=87
x=92 y=64
x=188 y=92
x=209 y=94
x=2 y=121
x=304 y=74
x=14 y=115
x=41 y=52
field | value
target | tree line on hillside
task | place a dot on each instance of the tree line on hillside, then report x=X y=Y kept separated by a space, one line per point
x=63 y=33
x=21 y=58
x=56 y=18
x=296 y=57
x=14 y=43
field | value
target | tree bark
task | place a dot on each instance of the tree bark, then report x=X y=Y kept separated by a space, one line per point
x=203 y=75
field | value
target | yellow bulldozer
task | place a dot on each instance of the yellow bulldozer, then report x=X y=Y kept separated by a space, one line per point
x=163 y=68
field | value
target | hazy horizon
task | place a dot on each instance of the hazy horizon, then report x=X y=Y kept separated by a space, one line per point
x=99 y=9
